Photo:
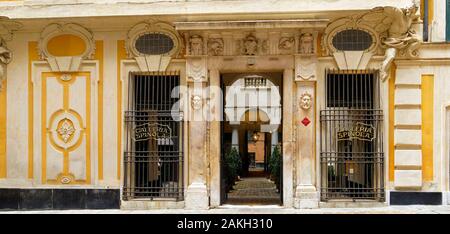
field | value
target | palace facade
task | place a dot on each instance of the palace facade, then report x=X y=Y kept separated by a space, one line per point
x=137 y=104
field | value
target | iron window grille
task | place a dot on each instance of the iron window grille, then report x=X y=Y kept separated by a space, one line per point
x=352 y=40
x=153 y=156
x=154 y=43
x=351 y=146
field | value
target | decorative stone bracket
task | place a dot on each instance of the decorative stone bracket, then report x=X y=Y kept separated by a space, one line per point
x=197 y=69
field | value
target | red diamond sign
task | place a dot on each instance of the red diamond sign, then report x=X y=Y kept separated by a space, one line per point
x=306 y=121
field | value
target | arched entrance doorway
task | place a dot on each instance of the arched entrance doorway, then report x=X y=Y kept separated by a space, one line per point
x=251 y=139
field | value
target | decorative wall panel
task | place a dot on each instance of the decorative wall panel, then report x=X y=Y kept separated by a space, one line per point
x=66 y=128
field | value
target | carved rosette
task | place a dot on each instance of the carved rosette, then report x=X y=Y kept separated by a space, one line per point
x=65 y=130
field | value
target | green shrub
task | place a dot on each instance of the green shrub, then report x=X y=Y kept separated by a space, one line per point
x=233 y=165
x=275 y=166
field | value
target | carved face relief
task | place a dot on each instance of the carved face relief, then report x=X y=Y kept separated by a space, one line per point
x=196 y=102
x=196 y=45
x=307 y=43
x=286 y=43
x=250 y=45
x=305 y=101
x=215 y=47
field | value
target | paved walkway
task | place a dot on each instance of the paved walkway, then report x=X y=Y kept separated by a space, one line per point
x=239 y=209
x=254 y=190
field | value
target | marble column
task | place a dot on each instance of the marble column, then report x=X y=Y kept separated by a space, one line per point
x=288 y=143
x=306 y=194
x=197 y=193
x=274 y=140
x=235 y=138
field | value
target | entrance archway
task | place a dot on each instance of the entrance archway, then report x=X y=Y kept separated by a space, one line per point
x=252 y=126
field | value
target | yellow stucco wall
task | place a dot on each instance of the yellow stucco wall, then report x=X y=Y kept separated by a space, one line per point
x=427 y=126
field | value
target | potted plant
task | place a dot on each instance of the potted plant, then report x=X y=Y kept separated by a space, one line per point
x=275 y=166
x=233 y=165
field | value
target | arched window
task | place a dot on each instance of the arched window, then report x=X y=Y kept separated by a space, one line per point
x=352 y=40
x=154 y=44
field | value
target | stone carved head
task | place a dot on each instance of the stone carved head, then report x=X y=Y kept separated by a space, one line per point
x=306 y=101
x=215 y=47
x=196 y=102
x=250 y=45
x=306 y=43
x=196 y=45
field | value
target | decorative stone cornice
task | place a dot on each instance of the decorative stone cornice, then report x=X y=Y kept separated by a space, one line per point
x=251 y=24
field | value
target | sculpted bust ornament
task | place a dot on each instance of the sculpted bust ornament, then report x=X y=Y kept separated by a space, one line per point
x=196 y=45
x=5 y=58
x=250 y=45
x=306 y=101
x=306 y=43
x=196 y=102
x=215 y=46
x=398 y=36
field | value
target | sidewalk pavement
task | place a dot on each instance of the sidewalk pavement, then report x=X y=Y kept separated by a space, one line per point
x=242 y=209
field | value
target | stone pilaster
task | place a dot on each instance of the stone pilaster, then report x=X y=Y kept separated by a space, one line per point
x=306 y=194
x=197 y=193
x=408 y=129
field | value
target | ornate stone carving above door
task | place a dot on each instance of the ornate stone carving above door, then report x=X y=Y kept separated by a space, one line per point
x=215 y=46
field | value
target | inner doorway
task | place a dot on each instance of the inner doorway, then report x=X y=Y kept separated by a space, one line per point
x=251 y=139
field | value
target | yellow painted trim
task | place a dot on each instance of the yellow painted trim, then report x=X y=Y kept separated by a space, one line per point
x=99 y=56
x=431 y=11
x=86 y=132
x=44 y=128
x=88 y=128
x=392 y=122
x=3 y=160
x=66 y=45
x=121 y=54
x=32 y=56
x=427 y=126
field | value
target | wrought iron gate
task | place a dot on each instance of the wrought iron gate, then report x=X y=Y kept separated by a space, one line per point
x=351 y=126
x=153 y=157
